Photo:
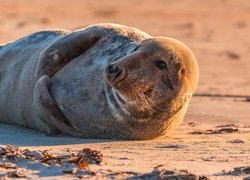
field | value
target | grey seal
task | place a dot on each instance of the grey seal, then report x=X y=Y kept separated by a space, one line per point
x=103 y=81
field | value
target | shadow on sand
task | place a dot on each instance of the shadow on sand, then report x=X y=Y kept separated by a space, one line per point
x=17 y=136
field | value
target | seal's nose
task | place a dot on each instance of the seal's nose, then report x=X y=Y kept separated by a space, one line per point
x=113 y=72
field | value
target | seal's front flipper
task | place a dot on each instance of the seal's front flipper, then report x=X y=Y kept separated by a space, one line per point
x=66 y=48
x=47 y=110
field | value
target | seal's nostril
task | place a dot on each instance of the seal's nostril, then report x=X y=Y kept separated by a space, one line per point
x=114 y=72
x=110 y=69
x=118 y=74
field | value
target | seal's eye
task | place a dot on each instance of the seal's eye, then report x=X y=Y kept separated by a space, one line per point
x=160 y=64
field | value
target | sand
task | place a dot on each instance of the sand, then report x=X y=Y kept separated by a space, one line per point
x=214 y=139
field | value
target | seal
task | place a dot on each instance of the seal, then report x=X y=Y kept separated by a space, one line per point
x=104 y=81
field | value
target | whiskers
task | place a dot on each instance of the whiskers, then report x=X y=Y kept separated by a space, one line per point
x=144 y=102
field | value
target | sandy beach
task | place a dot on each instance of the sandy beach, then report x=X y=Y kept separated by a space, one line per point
x=212 y=142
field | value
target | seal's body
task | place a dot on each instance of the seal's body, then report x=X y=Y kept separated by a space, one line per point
x=105 y=81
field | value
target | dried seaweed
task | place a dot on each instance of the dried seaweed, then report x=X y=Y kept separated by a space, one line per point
x=80 y=159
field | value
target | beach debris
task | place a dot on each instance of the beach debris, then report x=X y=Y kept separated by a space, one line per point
x=242 y=170
x=81 y=162
x=170 y=174
x=78 y=161
x=227 y=125
x=232 y=55
x=70 y=171
x=8 y=165
x=226 y=130
x=237 y=141
x=193 y=124
x=35 y=154
x=18 y=173
x=216 y=131
x=156 y=167
x=239 y=171
x=247 y=99
x=3 y=151
x=91 y=156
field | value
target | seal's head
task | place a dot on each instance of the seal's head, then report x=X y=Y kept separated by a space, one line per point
x=156 y=80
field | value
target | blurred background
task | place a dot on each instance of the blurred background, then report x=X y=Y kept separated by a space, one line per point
x=216 y=30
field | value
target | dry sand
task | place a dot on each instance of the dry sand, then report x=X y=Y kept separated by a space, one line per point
x=213 y=140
